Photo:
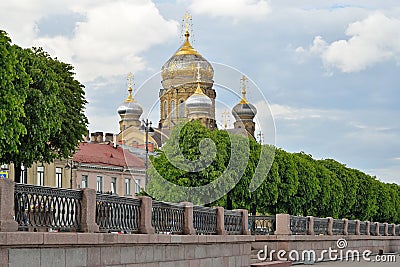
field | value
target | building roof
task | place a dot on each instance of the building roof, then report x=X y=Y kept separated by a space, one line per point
x=106 y=154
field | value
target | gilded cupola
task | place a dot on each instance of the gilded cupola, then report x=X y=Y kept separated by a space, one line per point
x=129 y=110
x=244 y=112
x=180 y=69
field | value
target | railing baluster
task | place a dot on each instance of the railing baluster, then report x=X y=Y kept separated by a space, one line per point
x=46 y=207
x=113 y=213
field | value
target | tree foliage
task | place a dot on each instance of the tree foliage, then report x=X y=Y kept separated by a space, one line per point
x=13 y=82
x=295 y=183
x=51 y=107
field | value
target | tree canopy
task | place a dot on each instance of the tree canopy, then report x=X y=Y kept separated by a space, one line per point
x=294 y=183
x=45 y=106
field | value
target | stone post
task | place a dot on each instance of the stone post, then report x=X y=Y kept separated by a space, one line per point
x=88 y=223
x=367 y=228
x=358 y=227
x=310 y=230
x=386 y=232
x=346 y=227
x=330 y=226
x=7 y=222
x=188 y=228
x=146 y=206
x=398 y=226
x=377 y=229
x=220 y=221
x=245 y=221
x=282 y=224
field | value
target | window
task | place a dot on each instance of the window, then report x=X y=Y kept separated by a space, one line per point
x=137 y=186
x=181 y=108
x=58 y=177
x=84 y=181
x=113 y=185
x=99 y=184
x=165 y=109
x=173 y=109
x=127 y=187
x=40 y=175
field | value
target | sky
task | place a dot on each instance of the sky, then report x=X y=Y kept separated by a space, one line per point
x=328 y=71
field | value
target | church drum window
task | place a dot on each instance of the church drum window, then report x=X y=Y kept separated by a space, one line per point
x=173 y=109
x=181 y=108
x=165 y=109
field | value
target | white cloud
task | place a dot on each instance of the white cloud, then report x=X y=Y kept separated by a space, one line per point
x=283 y=112
x=108 y=42
x=237 y=9
x=390 y=174
x=373 y=40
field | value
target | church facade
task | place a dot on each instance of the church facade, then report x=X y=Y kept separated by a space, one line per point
x=186 y=93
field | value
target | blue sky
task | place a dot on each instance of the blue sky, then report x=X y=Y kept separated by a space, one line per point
x=329 y=70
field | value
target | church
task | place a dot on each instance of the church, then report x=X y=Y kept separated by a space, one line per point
x=187 y=93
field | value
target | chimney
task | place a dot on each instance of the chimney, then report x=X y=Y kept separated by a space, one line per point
x=93 y=137
x=114 y=140
x=99 y=137
x=109 y=137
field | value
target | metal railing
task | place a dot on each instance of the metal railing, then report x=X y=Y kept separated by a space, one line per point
x=114 y=213
x=233 y=222
x=320 y=226
x=372 y=229
x=41 y=208
x=168 y=218
x=262 y=225
x=381 y=229
x=351 y=227
x=338 y=227
x=298 y=225
x=363 y=228
x=46 y=207
x=390 y=229
x=205 y=220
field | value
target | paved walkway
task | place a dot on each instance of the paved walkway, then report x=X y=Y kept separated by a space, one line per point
x=362 y=263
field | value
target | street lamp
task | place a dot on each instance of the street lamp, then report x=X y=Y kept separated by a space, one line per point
x=70 y=166
x=146 y=127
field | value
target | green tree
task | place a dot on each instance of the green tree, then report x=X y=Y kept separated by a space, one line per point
x=54 y=120
x=365 y=206
x=13 y=81
x=349 y=182
x=193 y=156
x=288 y=180
x=386 y=206
x=258 y=168
x=330 y=197
x=302 y=202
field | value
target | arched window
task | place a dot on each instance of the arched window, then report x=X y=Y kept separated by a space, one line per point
x=173 y=114
x=165 y=109
x=181 y=108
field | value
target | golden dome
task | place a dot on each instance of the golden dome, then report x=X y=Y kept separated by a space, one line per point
x=180 y=69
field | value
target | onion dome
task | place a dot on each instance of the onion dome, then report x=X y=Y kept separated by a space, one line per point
x=198 y=104
x=130 y=107
x=181 y=67
x=244 y=110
